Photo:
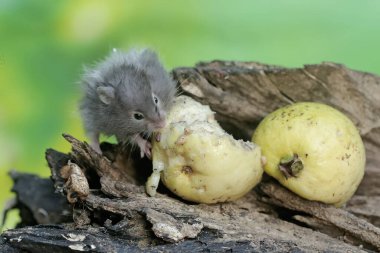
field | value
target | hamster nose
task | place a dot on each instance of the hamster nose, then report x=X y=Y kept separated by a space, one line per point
x=160 y=124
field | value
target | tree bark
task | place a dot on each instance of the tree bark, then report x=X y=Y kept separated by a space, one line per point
x=110 y=212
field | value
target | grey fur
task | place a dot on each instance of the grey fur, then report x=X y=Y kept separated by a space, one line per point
x=121 y=85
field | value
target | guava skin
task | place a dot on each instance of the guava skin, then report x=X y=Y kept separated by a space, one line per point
x=325 y=141
x=198 y=161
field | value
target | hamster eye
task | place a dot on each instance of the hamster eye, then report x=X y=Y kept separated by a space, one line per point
x=155 y=100
x=138 y=116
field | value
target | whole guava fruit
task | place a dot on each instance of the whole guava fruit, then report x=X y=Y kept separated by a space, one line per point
x=314 y=150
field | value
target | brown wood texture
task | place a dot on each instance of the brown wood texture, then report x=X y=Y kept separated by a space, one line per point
x=110 y=211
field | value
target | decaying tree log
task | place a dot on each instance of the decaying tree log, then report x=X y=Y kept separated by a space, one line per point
x=149 y=224
x=112 y=213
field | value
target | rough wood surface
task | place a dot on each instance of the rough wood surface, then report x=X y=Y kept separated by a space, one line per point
x=60 y=239
x=112 y=213
x=146 y=221
x=366 y=207
x=340 y=218
x=238 y=227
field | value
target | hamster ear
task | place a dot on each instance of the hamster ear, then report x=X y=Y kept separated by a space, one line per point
x=106 y=94
x=149 y=57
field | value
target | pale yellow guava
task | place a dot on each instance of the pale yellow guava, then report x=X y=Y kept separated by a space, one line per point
x=314 y=150
x=198 y=161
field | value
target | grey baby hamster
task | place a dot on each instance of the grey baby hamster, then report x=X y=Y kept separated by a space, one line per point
x=126 y=95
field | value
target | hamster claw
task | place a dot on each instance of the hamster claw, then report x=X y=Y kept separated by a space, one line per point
x=145 y=147
x=147 y=150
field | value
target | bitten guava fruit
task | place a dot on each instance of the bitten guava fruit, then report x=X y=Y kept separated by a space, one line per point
x=198 y=161
x=314 y=150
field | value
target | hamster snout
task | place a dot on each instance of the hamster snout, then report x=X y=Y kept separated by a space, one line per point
x=159 y=124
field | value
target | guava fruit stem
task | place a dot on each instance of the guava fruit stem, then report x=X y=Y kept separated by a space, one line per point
x=290 y=165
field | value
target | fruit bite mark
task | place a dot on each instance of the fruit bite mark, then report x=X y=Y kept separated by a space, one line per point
x=290 y=166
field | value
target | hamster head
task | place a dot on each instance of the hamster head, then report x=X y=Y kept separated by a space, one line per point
x=132 y=104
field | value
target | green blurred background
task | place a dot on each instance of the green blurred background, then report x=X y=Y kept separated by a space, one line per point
x=44 y=44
